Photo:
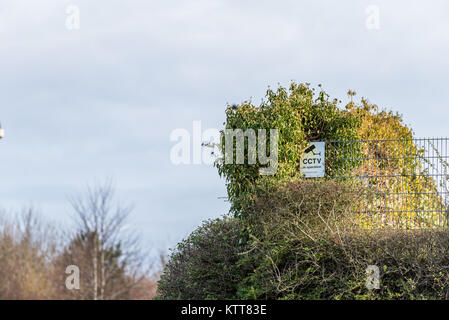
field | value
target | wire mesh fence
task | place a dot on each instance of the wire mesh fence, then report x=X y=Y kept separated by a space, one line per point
x=407 y=180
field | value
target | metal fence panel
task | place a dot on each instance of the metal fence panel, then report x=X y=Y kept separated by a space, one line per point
x=408 y=180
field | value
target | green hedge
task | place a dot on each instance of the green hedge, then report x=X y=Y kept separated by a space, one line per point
x=306 y=244
x=205 y=265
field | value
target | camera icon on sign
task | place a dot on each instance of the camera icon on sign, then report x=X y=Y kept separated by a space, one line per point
x=310 y=149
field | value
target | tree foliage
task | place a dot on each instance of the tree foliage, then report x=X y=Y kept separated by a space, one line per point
x=300 y=115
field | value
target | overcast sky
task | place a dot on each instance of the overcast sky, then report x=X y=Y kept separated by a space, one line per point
x=81 y=105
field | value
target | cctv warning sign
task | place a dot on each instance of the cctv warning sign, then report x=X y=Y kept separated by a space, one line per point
x=311 y=164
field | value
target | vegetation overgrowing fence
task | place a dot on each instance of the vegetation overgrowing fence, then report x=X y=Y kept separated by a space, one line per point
x=407 y=180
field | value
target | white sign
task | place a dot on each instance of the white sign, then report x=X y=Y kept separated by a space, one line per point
x=311 y=164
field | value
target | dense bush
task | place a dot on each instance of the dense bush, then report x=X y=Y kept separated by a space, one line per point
x=205 y=265
x=300 y=115
x=310 y=246
x=306 y=243
x=291 y=231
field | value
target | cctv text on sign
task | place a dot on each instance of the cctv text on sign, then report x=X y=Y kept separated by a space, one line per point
x=312 y=162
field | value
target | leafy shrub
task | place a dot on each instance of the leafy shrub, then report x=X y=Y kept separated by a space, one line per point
x=309 y=246
x=378 y=124
x=300 y=115
x=306 y=243
x=396 y=156
x=205 y=265
x=290 y=230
